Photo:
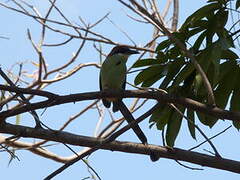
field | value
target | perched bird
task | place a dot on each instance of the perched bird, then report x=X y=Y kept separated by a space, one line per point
x=113 y=77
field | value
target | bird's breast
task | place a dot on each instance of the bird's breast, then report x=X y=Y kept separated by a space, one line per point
x=113 y=76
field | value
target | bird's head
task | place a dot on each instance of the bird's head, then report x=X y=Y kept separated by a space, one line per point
x=122 y=51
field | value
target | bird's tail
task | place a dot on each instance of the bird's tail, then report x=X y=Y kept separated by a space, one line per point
x=129 y=117
x=115 y=107
x=119 y=105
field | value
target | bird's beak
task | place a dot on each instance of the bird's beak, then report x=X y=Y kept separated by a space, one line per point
x=132 y=52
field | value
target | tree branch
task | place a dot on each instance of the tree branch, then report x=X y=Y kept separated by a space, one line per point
x=55 y=99
x=128 y=147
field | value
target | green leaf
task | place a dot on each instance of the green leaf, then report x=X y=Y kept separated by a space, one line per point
x=210 y=56
x=185 y=72
x=145 y=62
x=210 y=120
x=201 y=13
x=220 y=20
x=214 y=69
x=206 y=119
x=161 y=57
x=161 y=117
x=228 y=54
x=227 y=39
x=224 y=43
x=173 y=68
x=219 y=1
x=198 y=25
x=173 y=127
x=209 y=36
x=225 y=87
x=237 y=4
x=149 y=73
x=191 y=127
x=222 y=95
x=181 y=36
x=201 y=117
x=150 y=81
x=199 y=41
x=197 y=83
x=235 y=103
x=164 y=44
x=212 y=74
x=225 y=68
x=236 y=124
x=173 y=53
x=188 y=81
x=18 y=117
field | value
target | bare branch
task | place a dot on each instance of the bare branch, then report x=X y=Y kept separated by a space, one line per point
x=159 y=96
x=175 y=15
x=175 y=153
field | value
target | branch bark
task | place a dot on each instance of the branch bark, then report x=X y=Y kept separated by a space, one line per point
x=54 y=99
x=127 y=147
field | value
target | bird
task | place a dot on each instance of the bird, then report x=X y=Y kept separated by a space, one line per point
x=113 y=75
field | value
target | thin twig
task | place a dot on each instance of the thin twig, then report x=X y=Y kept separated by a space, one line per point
x=175 y=15
x=209 y=138
x=200 y=131
x=108 y=140
x=121 y=30
x=32 y=112
x=188 y=167
x=145 y=14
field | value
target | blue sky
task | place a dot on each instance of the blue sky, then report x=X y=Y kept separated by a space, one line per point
x=109 y=165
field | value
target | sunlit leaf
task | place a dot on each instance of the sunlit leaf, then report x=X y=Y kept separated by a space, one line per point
x=18 y=117
x=201 y=13
x=197 y=82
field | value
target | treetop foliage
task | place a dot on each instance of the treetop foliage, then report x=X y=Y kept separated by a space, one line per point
x=213 y=42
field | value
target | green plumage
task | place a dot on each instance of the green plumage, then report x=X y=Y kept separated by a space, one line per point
x=113 y=76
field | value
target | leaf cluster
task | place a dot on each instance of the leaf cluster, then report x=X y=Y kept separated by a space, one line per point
x=205 y=34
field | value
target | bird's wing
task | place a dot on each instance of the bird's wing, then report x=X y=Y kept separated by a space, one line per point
x=124 y=83
x=106 y=103
x=100 y=82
